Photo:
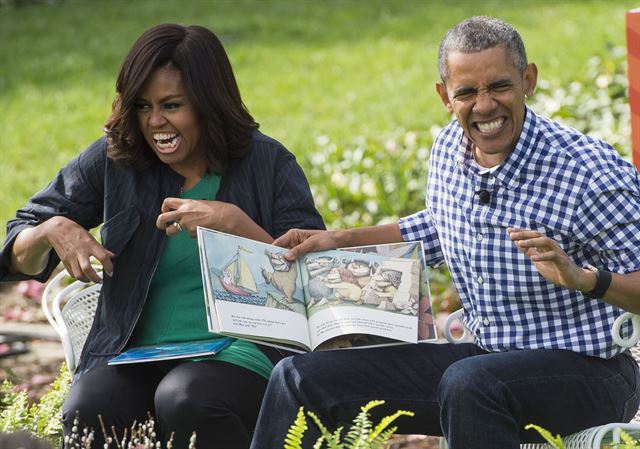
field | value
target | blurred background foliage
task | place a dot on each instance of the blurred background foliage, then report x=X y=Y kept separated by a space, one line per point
x=347 y=85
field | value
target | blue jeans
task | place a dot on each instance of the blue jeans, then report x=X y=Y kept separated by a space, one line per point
x=474 y=398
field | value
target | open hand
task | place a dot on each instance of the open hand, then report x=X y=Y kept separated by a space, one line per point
x=75 y=247
x=551 y=261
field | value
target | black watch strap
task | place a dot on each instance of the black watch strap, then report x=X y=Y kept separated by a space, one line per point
x=603 y=281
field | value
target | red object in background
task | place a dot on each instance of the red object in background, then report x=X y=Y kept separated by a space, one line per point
x=31 y=289
x=633 y=61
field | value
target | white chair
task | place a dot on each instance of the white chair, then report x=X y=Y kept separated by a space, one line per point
x=70 y=309
x=594 y=437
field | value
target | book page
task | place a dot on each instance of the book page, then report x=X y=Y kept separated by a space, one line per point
x=252 y=291
x=212 y=318
x=411 y=250
x=350 y=293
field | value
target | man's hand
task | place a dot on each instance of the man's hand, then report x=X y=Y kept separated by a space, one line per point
x=302 y=241
x=551 y=261
x=75 y=247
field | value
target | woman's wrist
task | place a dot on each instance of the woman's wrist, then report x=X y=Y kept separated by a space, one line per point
x=232 y=219
x=30 y=251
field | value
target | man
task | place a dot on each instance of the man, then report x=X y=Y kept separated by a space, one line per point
x=521 y=209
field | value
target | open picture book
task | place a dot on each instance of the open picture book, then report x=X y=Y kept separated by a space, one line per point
x=352 y=297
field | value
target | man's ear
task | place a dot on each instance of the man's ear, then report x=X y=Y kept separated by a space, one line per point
x=442 y=92
x=530 y=79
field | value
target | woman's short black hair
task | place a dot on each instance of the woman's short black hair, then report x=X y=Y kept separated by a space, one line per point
x=208 y=78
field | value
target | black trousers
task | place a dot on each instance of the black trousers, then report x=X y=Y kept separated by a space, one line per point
x=218 y=400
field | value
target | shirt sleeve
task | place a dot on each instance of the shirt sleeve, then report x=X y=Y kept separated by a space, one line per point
x=607 y=221
x=419 y=226
x=76 y=192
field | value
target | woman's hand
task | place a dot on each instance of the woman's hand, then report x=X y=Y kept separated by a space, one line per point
x=551 y=261
x=218 y=215
x=73 y=244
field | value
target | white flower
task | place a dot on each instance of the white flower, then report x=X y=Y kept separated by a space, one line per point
x=322 y=140
x=338 y=179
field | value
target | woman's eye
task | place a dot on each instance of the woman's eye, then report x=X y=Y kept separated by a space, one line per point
x=171 y=106
x=142 y=107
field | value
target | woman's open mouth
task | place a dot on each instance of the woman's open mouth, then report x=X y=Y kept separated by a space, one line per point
x=166 y=142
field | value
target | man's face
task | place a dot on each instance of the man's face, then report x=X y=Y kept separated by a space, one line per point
x=486 y=92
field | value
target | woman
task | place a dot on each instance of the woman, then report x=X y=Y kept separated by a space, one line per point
x=180 y=151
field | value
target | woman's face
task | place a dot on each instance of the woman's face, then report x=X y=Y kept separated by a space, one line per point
x=169 y=123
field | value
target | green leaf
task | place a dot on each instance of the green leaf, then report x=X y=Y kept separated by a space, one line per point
x=293 y=439
x=554 y=441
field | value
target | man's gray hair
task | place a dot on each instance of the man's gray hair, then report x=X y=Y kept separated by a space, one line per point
x=481 y=33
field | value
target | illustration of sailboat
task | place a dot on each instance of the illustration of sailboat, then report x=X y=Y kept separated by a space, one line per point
x=236 y=277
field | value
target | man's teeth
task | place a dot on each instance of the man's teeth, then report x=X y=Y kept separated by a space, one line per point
x=490 y=126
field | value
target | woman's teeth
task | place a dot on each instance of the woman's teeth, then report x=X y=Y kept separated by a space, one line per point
x=164 y=141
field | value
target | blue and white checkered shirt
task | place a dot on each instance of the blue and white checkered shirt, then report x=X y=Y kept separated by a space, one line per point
x=571 y=187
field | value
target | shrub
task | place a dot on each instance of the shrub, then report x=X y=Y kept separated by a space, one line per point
x=41 y=419
x=599 y=107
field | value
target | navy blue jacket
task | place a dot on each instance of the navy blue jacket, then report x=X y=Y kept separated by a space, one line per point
x=92 y=189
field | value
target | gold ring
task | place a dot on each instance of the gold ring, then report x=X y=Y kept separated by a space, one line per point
x=177 y=226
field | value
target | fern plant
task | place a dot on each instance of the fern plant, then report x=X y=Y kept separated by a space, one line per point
x=362 y=434
x=556 y=441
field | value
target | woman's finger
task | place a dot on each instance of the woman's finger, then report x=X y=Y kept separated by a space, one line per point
x=168 y=219
x=171 y=204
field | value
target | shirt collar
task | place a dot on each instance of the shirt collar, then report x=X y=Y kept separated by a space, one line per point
x=508 y=172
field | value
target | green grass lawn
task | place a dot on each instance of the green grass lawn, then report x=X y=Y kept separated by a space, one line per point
x=306 y=68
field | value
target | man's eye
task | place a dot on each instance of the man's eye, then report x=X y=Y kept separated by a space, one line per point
x=464 y=95
x=501 y=87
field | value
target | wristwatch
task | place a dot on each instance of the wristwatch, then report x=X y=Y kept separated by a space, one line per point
x=603 y=281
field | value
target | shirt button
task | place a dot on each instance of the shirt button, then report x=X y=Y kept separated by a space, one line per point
x=480 y=237
x=486 y=321
x=479 y=279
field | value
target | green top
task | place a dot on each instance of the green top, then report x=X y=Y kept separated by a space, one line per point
x=175 y=311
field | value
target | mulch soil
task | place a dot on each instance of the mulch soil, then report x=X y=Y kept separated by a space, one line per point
x=30 y=353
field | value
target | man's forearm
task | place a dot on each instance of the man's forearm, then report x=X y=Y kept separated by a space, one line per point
x=624 y=291
x=370 y=235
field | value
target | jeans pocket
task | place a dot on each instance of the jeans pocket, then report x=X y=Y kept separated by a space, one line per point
x=623 y=395
x=630 y=408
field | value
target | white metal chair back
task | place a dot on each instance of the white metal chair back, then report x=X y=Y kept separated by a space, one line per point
x=466 y=336
x=70 y=309
x=594 y=437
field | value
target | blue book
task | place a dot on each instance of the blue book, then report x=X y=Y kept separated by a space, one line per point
x=170 y=351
